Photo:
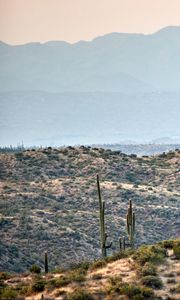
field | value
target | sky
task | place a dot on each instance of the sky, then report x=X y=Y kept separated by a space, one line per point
x=24 y=21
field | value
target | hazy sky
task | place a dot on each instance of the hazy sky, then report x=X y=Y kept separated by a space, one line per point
x=23 y=21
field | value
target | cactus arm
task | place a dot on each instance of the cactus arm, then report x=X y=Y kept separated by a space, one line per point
x=108 y=246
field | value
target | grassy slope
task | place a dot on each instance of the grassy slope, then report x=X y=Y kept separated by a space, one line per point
x=48 y=201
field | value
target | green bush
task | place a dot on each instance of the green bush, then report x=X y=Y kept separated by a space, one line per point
x=151 y=254
x=59 y=282
x=2 y=285
x=23 y=288
x=77 y=275
x=148 y=269
x=171 y=280
x=152 y=281
x=4 y=276
x=167 y=244
x=177 y=288
x=38 y=286
x=98 y=264
x=176 y=249
x=8 y=294
x=132 y=291
x=35 y=269
x=80 y=294
x=115 y=280
x=119 y=255
x=135 y=292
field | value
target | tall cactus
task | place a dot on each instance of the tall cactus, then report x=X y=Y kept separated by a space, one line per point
x=46 y=262
x=131 y=224
x=103 y=234
x=122 y=244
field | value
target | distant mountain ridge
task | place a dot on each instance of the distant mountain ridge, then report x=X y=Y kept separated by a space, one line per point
x=114 y=88
x=116 y=62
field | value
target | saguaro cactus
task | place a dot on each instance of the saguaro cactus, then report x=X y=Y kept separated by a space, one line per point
x=131 y=224
x=103 y=234
x=46 y=262
x=122 y=244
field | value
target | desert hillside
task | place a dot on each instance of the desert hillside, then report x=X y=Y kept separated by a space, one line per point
x=150 y=272
x=49 y=202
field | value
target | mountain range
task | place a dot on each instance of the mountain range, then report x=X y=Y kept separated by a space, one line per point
x=114 y=62
x=116 y=87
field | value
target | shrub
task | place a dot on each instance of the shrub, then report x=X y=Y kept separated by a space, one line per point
x=177 y=288
x=60 y=282
x=80 y=294
x=4 y=276
x=167 y=244
x=170 y=274
x=23 y=289
x=35 y=269
x=115 y=280
x=132 y=291
x=152 y=281
x=148 y=269
x=171 y=280
x=176 y=249
x=2 y=285
x=151 y=254
x=77 y=275
x=135 y=292
x=38 y=286
x=119 y=255
x=8 y=293
x=98 y=264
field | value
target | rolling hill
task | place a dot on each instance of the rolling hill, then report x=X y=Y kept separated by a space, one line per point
x=48 y=202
